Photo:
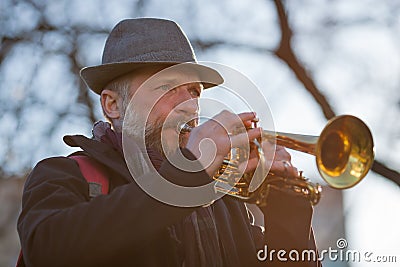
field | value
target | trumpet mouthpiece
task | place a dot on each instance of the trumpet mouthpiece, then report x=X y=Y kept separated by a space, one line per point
x=184 y=128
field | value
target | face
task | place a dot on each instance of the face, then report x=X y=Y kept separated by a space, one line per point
x=162 y=103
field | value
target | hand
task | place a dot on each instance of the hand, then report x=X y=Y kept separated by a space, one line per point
x=281 y=164
x=212 y=141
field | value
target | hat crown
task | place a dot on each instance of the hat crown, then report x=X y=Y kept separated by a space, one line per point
x=137 y=43
x=147 y=40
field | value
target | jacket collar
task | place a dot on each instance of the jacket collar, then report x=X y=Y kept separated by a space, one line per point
x=102 y=152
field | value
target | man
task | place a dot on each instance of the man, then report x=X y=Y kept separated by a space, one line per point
x=61 y=225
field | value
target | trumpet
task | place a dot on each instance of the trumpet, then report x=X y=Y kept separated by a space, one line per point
x=344 y=153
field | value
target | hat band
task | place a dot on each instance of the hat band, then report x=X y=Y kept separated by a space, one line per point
x=155 y=56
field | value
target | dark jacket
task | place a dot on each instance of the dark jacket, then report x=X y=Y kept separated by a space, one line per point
x=61 y=226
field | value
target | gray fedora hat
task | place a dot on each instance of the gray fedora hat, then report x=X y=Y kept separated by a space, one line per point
x=136 y=43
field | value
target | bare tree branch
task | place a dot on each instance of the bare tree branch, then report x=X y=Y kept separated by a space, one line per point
x=6 y=45
x=285 y=53
x=83 y=96
x=386 y=172
x=203 y=45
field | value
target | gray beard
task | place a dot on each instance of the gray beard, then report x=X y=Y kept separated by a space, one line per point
x=152 y=134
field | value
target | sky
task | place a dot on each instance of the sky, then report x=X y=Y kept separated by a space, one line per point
x=351 y=49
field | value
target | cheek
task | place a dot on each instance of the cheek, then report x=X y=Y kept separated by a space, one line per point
x=161 y=110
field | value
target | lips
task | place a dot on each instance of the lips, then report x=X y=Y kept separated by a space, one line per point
x=180 y=125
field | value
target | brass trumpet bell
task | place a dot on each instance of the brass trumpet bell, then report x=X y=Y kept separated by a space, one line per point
x=344 y=151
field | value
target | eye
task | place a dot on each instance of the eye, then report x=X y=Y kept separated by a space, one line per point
x=194 y=92
x=164 y=87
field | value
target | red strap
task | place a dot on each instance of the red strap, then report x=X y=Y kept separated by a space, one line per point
x=20 y=261
x=95 y=175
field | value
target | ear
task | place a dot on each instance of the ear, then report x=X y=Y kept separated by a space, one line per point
x=110 y=103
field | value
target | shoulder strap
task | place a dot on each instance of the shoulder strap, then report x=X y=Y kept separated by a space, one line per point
x=95 y=175
x=20 y=261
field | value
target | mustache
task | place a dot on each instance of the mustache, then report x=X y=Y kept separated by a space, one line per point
x=133 y=125
x=153 y=135
x=177 y=123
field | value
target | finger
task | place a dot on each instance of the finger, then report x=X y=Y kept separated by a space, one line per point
x=248 y=166
x=284 y=169
x=217 y=125
x=232 y=122
x=281 y=154
x=248 y=119
x=225 y=120
x=247 y=116
x=238 y=120
x=268 y=148
x=244 y=138
x=295 y=172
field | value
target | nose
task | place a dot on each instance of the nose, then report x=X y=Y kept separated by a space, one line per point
x=186 y=103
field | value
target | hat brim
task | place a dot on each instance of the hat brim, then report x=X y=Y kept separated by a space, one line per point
x=97 y=77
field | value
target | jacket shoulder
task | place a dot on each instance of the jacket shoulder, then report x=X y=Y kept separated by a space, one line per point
x=54 y=164
x=56 y=171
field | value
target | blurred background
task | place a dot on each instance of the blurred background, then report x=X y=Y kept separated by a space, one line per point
x=312 y=59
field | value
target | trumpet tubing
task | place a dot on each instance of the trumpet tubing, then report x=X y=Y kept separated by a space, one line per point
x=344 y=154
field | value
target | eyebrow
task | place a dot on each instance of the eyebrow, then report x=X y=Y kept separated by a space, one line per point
x=177 y=82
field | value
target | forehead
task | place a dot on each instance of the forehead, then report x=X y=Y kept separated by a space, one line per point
x=156 y=75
